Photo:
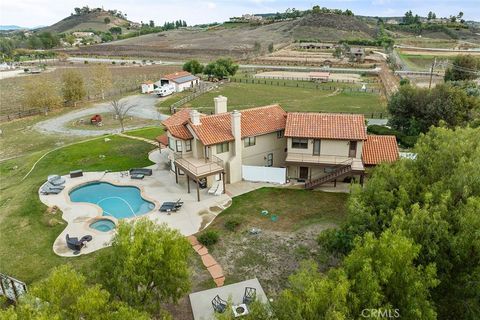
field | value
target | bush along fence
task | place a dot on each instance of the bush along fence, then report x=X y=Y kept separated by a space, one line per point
x=313 y=80
x=311 y=85
x=203 y=88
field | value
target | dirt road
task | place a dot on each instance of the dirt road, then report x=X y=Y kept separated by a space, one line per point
x=145 y=108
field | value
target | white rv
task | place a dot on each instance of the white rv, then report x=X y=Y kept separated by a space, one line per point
x=164 y=90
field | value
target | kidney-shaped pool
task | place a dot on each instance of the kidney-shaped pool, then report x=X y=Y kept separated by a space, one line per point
x=116 y=201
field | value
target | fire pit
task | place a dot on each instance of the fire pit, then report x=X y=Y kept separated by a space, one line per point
x=240 y=310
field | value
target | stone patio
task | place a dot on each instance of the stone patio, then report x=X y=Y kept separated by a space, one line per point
x=202 y=301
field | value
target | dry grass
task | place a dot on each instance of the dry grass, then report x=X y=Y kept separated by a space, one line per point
x=125 y=79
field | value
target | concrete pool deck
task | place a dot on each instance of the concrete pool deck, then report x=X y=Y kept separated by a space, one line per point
x=160 y=187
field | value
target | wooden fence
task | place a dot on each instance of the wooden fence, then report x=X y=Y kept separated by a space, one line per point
x=308 y=85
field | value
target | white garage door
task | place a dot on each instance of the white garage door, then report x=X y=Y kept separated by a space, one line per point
x=264 y=174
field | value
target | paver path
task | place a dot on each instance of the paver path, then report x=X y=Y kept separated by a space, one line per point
x=208 y=261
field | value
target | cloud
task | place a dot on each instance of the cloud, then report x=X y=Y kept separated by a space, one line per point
x=211 y=5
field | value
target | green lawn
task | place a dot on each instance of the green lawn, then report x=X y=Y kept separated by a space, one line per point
x=149 y=133
x=241 y=96
x=419 y=62
x=27 y=232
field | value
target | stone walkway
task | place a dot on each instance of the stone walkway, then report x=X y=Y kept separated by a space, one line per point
x=208 y=261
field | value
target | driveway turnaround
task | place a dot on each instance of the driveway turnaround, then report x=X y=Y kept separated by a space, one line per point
x=145 y=108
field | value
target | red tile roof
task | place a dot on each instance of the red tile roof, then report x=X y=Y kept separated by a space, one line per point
x=217 y=128
x=325 y=126
x=163 y=139
x=379 y=149
x=175 y=124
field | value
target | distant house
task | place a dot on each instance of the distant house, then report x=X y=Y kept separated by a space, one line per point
x=81 y=34
x=182 y=80
x=316 y=46
x=148 y=87
x=357 y=54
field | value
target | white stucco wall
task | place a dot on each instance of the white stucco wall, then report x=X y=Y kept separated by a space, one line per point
x=268 y=143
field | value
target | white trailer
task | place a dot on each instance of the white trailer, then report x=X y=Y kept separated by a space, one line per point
x=165 y=90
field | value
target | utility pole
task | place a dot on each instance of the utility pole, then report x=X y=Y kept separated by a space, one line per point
x=431 y=72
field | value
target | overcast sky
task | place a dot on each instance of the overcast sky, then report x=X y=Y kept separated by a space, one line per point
x=31 y=13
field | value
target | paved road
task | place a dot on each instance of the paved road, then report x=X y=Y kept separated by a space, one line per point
x=145 y=108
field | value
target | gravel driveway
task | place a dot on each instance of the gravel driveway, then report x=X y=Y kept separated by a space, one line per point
x=145 y=108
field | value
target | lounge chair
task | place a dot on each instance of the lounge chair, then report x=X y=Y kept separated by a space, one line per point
x=137 y=176
x=56 y=180
x=249 y=295
x=171 y=206
x=144 y=171
x=214 y=187
x=219 y=305
x=219 y=190
x=46 y=191
x=74 y=244
x=51 y=186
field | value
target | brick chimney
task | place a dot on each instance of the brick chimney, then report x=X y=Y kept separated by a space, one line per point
x=220 y=104
x=195 y=117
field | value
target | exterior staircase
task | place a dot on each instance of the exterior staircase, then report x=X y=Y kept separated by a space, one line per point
x=340 y=171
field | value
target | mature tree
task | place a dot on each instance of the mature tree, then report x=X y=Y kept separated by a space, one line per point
x=147 y=264
x=464 y=67
x=115 y=30
x=101 y=78
x=65 y=294
x=106 y=20
x=438 y=211
x=41 y=93
x=73 y=88
x=383 y=275
x=256 y=311
x=413 y=110
x=270 y=47
x=193 y=66
x=120 y=109
x=49 y=40
x=221 y=68
x=257 y=47
x=312 y=295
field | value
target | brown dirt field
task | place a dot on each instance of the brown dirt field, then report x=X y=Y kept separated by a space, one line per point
x=438 y=53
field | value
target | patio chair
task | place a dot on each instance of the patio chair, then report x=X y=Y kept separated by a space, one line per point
x=214 y=187
x=219 y=190
x=249 y=295
x=219 y=305
x=56 y=180
x=74 y=244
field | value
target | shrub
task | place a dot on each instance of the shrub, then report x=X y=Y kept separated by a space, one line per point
x=208 y=238
x=232 y=224
x=85 y=61
x=404 y=140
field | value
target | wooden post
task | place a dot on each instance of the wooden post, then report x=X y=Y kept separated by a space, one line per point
x=176 y=174
x=223 y=179
x=198 y=189
x=188 y=183
x=361 y=179
x=335 y=183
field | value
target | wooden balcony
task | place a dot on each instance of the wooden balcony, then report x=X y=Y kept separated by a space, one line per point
x=199 y=168
x=323 y=160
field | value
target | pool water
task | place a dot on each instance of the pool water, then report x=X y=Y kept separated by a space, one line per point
x=103 y=225
x=116 y=201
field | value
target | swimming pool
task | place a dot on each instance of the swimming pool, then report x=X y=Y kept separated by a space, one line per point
x=116 y=201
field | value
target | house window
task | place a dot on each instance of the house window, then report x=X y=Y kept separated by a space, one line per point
x=269 y=160
x=171 y=143
x=249 y=141
x=280 y=134
x=222 y=147
x=298 y=143
x=179 y=146
x=188 y=145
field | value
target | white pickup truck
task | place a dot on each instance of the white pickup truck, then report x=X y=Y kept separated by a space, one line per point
x=165 y=90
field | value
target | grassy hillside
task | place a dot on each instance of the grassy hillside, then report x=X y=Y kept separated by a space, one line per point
x=205 y=44
x=93 y=21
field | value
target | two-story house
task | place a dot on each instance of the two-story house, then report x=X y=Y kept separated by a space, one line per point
x=314 y=147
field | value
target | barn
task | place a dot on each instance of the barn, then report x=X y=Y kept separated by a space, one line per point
x=147 y=87
x=182 y=80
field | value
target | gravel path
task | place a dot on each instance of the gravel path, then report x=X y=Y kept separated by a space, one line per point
x=145 y=109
